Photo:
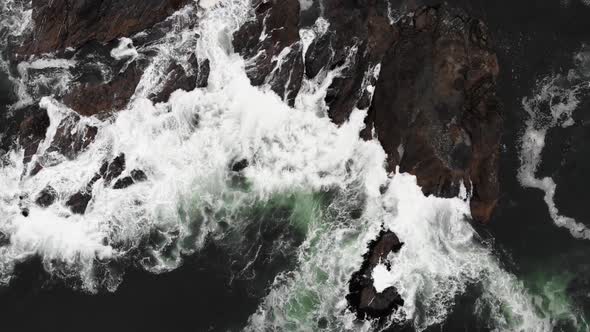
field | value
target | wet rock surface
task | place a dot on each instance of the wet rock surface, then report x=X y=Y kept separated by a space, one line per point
x=60 y=24
x=435 y=109
x=359 y=33
x=109 y=171
x=270 y=42
x=32 y=130
x=363 y=298
x=46 y=197
x=179 y=78
x=100 y=97
x=433 y=74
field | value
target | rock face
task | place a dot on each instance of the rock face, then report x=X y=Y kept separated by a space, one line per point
x=363 y=298
x=270 y=43
x=357 y=38
x=179 y=78
x=60 y=24
x=435 y=109
x=98 y=97
x=32 y=130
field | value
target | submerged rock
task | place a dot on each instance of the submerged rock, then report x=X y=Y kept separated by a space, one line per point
x=46 y=197
x=135 y=177
x=363 y=297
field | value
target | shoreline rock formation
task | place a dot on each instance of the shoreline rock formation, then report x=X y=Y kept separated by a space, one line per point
x=363 y=297
x=427 y=81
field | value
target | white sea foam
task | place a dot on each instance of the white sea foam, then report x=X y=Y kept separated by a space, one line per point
x=382 y=278
x=125 y=50
x=554 y=103
x=185 y=148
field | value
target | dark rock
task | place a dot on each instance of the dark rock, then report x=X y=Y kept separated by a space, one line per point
x=111 y=170
x=179 y=78
x=4 y=239
x=97 y=97
x=79 y=202
x=136 y=176
x=435 y=109
x=359 y=35
x=71 y=138
x=363 y=298
x=32 y=131
x=239 y=165
x=123 y=183
x=60 y=24
x=275 y=60
x=25 y=212
x=46 y=197
x=108 y=172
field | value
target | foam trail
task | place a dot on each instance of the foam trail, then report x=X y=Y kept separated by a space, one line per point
x=559 y=94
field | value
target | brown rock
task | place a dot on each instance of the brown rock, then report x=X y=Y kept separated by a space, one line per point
x=435 y=109
x=32 y=131
x=71 y=138
x=358 y=36
x=59 y=24
x=179 y=78
x=363 y=298
x=279 y=20
x=96 y=97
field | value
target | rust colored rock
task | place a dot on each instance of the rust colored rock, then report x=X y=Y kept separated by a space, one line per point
x=435 y=109
x=363 y=298
x=275 y=58
x=59 y=24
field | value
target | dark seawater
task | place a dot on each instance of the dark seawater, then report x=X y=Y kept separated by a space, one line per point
x=534 y=38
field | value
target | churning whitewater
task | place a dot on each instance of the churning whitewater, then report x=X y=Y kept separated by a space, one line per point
x=186 y=147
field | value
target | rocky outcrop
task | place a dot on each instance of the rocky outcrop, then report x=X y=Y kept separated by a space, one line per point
x=270 y=43
x=60 y=24
x=32 y=130
x=435 y=109
x=109 y=171
x=363 y=298
x=180 y=78
x=72 y=136
x=46 y=197
x=357 y=38
x=100 y=97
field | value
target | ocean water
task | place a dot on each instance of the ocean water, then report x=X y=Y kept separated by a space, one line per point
x=201 y=247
